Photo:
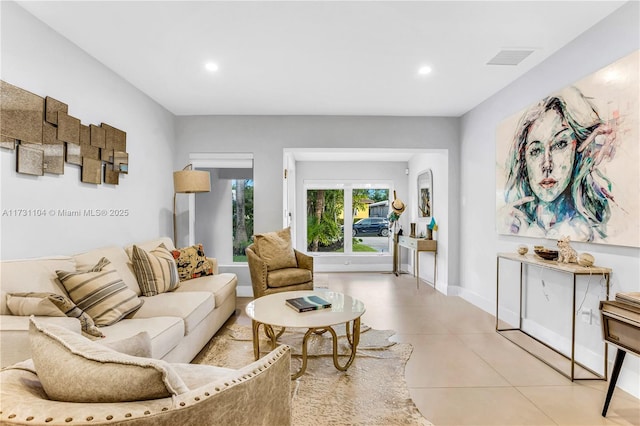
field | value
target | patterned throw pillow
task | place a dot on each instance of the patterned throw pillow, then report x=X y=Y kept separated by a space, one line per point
x=100 y=292
x=192 y=262
x=50 y=304
x=156 y=270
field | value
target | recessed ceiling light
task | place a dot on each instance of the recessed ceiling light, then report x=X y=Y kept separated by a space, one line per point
x=424 y=70
x=211 y=66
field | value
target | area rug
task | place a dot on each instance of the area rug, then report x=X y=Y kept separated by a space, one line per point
x=372 y=391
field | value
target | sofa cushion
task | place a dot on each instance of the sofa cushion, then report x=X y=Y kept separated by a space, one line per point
x=220 y=285
x=119 y=259
x=288 y=276
x=165 y=332
x=192 y=262
x=275 y=249
x=192 y=307
x=100 y=292
x=50 y=304
x=136 y=345
x=95 y=373
x=156 y=270
x=39 y=273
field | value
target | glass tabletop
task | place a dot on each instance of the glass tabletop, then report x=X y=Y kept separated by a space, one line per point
x=273 y=310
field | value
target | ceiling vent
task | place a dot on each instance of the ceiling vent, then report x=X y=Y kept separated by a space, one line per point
x=509 y=57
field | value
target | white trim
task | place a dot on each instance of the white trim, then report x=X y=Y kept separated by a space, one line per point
x=239 y=160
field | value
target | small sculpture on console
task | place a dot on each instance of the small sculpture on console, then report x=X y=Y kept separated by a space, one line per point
x=566 y=253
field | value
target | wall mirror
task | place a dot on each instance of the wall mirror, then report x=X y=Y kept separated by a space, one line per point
x=425 y=194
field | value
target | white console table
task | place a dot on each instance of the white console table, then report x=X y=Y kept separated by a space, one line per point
x=527 y=341
x=418 y=245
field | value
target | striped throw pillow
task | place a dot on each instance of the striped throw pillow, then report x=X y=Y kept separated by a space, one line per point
x=156 y=270
x=100 y=292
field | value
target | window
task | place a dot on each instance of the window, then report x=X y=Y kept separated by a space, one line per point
x=242 y=206
x=326 y=217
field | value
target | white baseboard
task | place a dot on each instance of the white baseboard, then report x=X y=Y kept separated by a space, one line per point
x=629 y=379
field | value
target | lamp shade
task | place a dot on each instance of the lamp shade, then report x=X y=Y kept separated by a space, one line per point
x=188 y=181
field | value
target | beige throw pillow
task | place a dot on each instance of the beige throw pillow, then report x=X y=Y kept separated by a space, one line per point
x=276 y=250
x=27 y=304
x=100 y=292
x=72 y=368
x=156 y=270
x=53 y=305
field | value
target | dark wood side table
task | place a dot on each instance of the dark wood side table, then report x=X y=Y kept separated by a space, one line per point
x=620 y=328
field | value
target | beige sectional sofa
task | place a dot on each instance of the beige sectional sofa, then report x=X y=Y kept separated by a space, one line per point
x=179 y=323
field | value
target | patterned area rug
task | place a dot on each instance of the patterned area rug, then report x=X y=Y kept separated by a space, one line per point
x=372 y=392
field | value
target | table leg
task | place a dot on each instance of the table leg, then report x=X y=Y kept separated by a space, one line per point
x=268 y=331
x=617 y=365
x=354 y=346
x=353 y=338
x=255 y=326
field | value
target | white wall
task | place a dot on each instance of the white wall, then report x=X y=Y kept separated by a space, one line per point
x=268 y=136
x=39 y=60
x=611 y=39
x=438 y=162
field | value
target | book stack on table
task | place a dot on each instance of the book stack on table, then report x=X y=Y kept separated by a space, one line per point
x=308 y=303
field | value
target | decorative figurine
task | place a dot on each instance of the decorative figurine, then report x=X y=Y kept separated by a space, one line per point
x=585 y=259
x=566 y=253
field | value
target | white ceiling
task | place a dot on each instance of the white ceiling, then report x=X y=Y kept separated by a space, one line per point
x=318 y=57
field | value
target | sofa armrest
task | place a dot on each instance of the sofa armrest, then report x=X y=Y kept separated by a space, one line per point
x=214 y=262
x=256 y=394
x=14 y=336
x=304 y=261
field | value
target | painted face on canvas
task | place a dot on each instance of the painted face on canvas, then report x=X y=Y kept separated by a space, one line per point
x=549 y=156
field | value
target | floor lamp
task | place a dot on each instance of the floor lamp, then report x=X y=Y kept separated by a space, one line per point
x=188 y=181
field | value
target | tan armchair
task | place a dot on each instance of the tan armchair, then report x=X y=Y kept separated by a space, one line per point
x=265 y=281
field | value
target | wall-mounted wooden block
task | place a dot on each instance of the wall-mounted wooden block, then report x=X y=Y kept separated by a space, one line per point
x=30 y=159
x=115 y=139
x=68 y=128
x=74 y=154
x=121 y=161
x=22 y=114
x=89 y=151
x=111 y=175
x=91 y=171
x=54 y=158
x=85 y=135
x=7 y=143
x=119 y=140
x=49 y=134
x=52 y=107
x=98 y=137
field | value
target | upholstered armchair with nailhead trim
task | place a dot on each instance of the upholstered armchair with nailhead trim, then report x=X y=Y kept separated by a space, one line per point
x=265 y=281
x=257 y=393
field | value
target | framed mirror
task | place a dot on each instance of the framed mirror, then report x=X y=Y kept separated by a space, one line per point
x=425 y=194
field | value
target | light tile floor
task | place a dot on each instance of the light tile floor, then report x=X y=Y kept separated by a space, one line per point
x=461 y=371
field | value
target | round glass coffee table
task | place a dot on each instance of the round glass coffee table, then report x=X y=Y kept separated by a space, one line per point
x=272 y=311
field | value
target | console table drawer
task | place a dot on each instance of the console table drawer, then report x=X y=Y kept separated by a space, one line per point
x=417 y=244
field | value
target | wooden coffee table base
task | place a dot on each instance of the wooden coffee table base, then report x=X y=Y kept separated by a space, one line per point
x=353 y=338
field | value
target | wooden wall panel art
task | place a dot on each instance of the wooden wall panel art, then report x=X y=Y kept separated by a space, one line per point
x=45 y=136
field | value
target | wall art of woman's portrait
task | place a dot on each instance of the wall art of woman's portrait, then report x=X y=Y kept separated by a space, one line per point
x=570 y=164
